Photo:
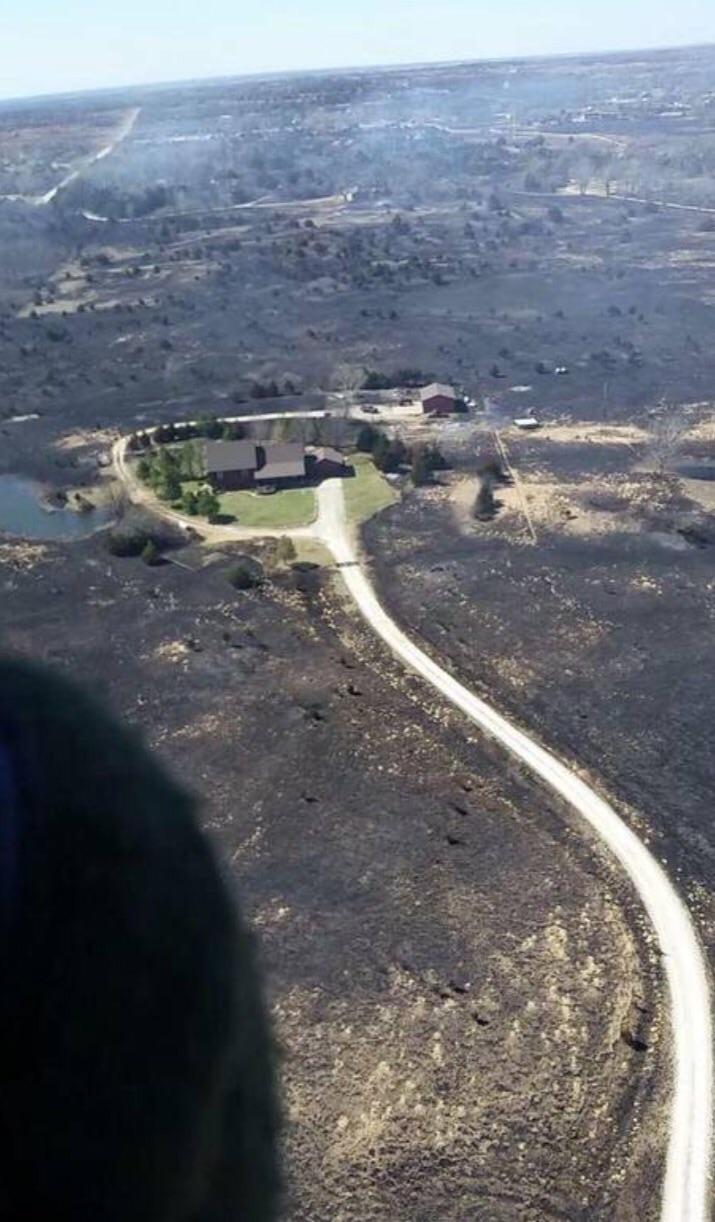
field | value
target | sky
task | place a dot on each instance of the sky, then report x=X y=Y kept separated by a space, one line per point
x=53 y=46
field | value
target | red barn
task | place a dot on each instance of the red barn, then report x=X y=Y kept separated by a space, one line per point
x=438 y=399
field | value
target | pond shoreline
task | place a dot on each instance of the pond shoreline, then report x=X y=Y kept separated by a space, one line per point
x=30 y=510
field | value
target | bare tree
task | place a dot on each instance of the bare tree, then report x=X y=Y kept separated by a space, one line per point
x=348 y=378
x=666 y=431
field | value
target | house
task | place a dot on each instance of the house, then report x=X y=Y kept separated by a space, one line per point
x=280 y=461
x=437 y=399
x=231 y=464
x=325 y=462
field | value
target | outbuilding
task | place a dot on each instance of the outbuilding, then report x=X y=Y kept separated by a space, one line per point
x=438 y=399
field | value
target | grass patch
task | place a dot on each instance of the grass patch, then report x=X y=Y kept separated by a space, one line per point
x=368 y=492
x=311 y=551
x=281 y=511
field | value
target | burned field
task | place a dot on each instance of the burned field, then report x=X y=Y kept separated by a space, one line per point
x=598 y=636
x=249 y=238
x=466 y=1004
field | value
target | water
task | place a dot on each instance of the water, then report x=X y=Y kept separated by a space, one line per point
x=23 y=513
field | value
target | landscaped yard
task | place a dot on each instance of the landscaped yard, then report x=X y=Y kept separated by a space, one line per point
x=368 y=491
x=281 y=510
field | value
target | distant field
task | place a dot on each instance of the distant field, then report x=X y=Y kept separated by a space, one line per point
x=368 y=492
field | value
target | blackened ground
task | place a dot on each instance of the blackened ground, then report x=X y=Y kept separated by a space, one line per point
x=469 y=1011
x=602 y=645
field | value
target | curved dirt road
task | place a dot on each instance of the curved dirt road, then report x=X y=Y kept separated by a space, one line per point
x=686 y=1191
x=686 y=1194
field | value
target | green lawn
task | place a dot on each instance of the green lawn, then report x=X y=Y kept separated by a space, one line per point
x=368 y=492
x=280 y=511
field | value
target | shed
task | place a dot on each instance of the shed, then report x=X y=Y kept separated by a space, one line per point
x=438 y=399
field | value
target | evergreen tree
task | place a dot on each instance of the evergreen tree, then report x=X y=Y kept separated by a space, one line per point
x=421 y=467
x=366 y=438
x=380 y=451
x=191 y=460
x=207 y=503
x=485 y=504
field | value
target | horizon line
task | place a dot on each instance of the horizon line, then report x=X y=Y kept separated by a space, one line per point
x=415 y=65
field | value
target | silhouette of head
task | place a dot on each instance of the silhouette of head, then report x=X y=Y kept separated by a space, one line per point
x=136 y=1078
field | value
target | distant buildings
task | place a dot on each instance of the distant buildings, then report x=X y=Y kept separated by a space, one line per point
x=232 y=465
x=438 y=399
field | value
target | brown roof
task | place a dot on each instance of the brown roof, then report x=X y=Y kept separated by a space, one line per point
x=437 y=388
x=230 y=456
x=282 y=460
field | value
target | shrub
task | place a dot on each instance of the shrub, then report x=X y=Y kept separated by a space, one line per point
x=126 y=541
x=245 y=576
x=388 y=455
x=207 y=503
x=285 y=550
x=150 y=553
x=189 y=502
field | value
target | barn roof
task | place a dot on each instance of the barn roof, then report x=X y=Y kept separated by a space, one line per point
x=230 y=456
x=437 y=388
x=282 y=460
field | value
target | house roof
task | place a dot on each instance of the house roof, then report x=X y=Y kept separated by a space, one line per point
x=437 y=388
x=282 y=460
x=328 y=454
x=230 y=456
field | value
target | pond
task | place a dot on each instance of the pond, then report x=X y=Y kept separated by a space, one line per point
x=23 y=513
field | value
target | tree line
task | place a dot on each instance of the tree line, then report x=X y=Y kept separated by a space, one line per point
x=390 y=454
x=165 y=471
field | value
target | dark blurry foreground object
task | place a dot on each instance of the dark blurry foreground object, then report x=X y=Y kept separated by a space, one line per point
x=135 y=1062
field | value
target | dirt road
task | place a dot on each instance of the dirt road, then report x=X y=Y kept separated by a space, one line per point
x=124 y=129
